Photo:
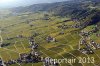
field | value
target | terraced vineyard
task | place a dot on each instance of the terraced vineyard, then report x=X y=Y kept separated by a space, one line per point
x=27 y=25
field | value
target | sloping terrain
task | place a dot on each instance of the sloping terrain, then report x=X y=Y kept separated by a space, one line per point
x=61 y=21
x=65 y=47
x=85 y=11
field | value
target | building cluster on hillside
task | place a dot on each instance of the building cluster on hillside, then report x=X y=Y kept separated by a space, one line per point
x=50 y=39
x=87 y=49
x=98 y=34
x=89 y=44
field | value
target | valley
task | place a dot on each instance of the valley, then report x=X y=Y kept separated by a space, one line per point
x=55 y=32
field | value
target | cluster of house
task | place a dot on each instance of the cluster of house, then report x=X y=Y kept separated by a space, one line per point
x=94 y=30
x=51 y=39
x=94 y=44
x=98 y=34
x=87 y=49
x=89 y=45
x=63 y=26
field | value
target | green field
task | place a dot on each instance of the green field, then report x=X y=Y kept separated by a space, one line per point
x=65 y=47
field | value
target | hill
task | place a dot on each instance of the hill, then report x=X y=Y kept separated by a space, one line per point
x=85 y=11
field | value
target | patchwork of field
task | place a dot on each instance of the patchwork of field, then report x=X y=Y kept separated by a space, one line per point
x=44 y=25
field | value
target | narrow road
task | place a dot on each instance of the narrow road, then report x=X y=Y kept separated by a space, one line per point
x=1 y=39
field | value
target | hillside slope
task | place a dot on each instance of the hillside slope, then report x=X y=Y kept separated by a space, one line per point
x=85 y=11
x=36 y=25
x=67 y=24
